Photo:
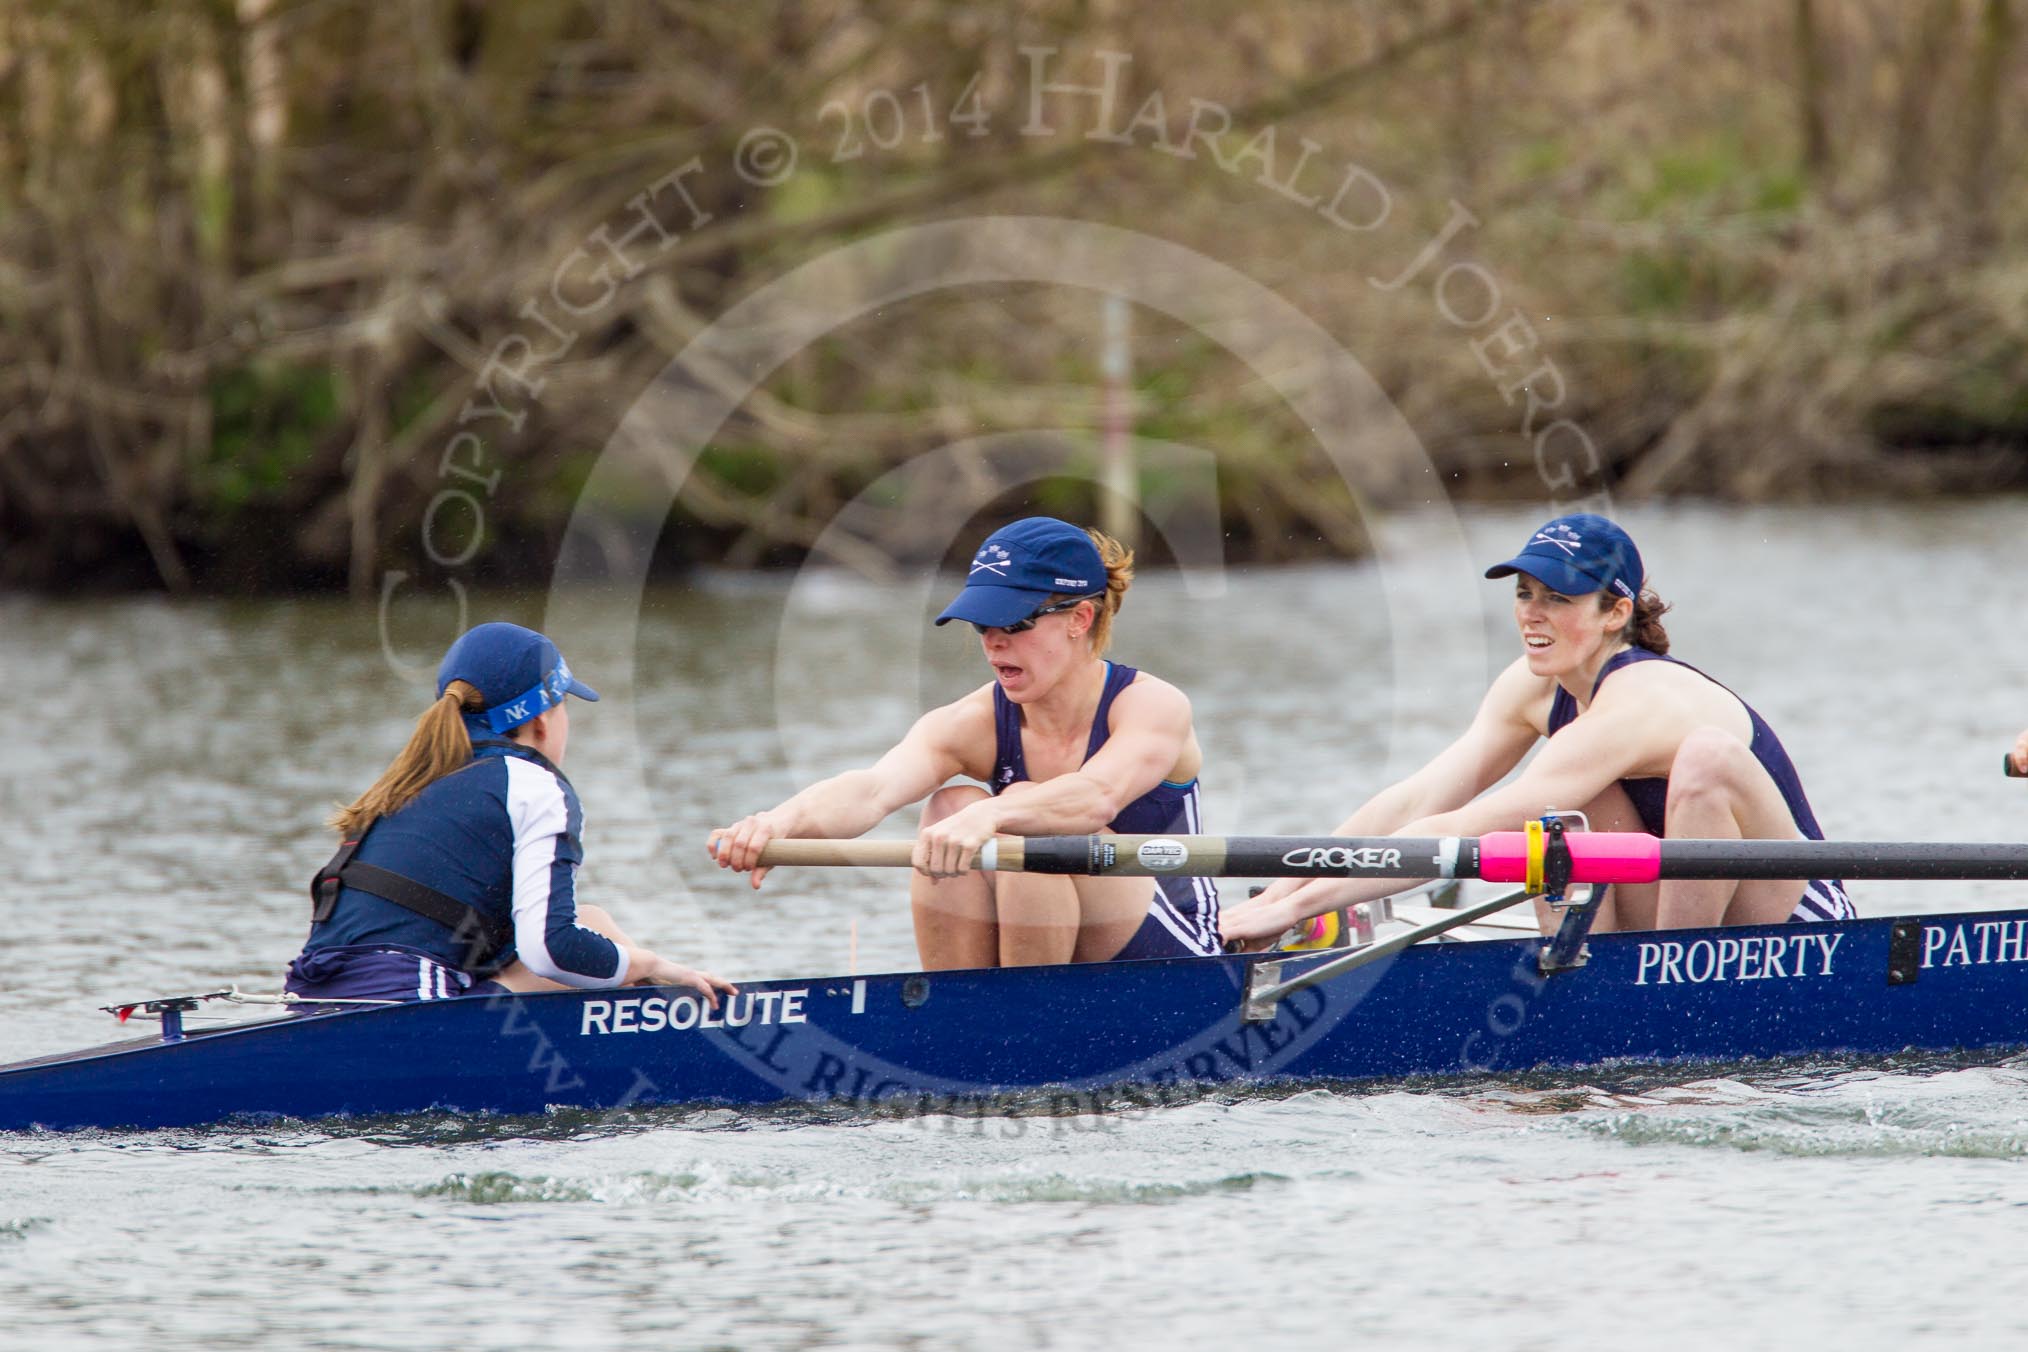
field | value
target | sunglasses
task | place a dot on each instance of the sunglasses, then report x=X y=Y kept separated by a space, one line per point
x=1023 y=626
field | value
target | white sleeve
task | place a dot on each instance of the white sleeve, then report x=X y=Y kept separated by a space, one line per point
x=546 y=853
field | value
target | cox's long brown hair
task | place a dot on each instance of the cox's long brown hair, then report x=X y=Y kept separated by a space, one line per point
x=438 y=746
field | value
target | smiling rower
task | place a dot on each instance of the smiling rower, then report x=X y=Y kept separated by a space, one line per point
x=1638 y=739
x=1061 y=742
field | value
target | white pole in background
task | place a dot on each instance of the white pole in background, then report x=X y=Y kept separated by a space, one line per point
x=1120 y=500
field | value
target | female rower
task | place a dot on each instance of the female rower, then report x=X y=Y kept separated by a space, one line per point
x=459 y=866
x=1639 y=740
x=1061 y=740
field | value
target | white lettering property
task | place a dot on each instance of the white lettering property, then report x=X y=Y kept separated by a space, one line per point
x=1773 y=957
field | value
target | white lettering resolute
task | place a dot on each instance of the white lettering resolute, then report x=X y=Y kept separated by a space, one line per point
x=654 y=1013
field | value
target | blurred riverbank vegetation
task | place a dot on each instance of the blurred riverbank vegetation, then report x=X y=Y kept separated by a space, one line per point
x=255 y=256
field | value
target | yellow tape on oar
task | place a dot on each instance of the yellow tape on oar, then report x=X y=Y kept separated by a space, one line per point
x=1537 y=852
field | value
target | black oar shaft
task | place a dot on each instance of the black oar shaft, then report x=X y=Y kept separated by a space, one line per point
x=1841 y=859
x=1501 y=856
x=1245 y=856
x=1409 y=857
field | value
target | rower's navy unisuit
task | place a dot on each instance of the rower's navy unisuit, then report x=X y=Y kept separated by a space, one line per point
x=1182 y=917
x=1823 y=898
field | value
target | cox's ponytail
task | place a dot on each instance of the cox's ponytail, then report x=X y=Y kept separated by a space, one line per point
x=438 y=746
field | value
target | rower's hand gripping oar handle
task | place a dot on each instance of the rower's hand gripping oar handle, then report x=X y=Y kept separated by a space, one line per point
x=2007 y=766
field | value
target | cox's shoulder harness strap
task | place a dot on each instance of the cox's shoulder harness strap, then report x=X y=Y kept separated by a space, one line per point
x=484 y=937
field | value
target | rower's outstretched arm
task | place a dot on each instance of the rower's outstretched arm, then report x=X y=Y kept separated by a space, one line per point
x=853 y=803
x=1150 y=730
x=1572 y=769
x=1499 y=736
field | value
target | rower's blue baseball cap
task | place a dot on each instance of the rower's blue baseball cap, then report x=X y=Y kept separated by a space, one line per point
x=1578 y=555
x=519 y=672
x=1021 y=566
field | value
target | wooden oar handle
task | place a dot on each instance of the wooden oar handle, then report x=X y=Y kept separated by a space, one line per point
x=867 y=853
x=1002 y=852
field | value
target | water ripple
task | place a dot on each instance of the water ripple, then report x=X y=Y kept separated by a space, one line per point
x=1828 y=1134
x=498 y=1187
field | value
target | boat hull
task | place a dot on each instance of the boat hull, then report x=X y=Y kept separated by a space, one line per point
x=1940 y=982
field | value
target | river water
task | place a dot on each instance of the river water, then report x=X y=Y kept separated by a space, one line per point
x=168 y=764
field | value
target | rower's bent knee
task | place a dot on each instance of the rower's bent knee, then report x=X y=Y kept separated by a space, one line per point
x=1018 y=893
x=949 y=801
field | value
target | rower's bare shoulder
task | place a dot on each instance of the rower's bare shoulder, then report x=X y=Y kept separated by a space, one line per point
x=964 y=720
x=1151 y=697
x=1667 y=699
x=1149 y=687
x=960 y=733
x=1518 y=695
x=1657 y=704
x=1649 y=683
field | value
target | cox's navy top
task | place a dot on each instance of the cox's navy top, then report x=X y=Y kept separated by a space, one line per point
x=500 y=835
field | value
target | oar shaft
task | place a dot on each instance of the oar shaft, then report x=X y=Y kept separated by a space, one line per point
x=1840 y=859
x=1498 y=856
x=1245 y=856
x=1236 y=856
x=1154 y=856
x=1596 y=857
